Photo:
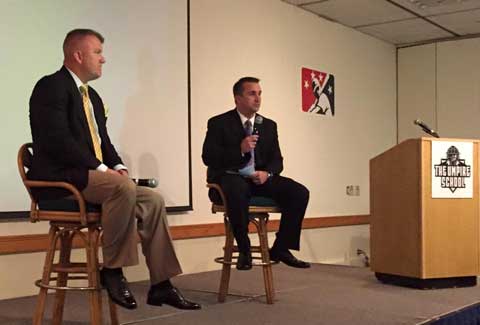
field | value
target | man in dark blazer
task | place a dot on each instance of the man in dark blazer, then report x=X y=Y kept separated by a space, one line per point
x=242 y=153
x=71 y=143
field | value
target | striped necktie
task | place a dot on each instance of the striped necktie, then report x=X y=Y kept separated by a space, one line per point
x=248 y=132
x=249 y=168
x=88 y=114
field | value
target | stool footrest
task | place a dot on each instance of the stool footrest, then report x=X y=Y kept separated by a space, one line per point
x=221 y=260
x=70 y=268
x=253 y=249
x=39 y=283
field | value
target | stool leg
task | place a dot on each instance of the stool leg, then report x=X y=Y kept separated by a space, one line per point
x=111 y=305
x=267 y=267
x=227 y=257
x=66 y=238
x=93 y=276
x=47 y=269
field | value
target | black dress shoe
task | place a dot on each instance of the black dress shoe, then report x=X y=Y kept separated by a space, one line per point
x=117 y=288
x=286 y=257
x=244 y=261
x=170 y=296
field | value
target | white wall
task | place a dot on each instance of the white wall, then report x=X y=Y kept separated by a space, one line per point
x=273 y=40
x=230 y=40
x=440 y=84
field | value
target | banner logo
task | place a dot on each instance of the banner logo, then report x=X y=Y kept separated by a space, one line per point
x=318 y=92
x=452 y=170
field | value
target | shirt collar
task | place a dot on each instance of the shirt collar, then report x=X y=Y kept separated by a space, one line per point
x=243 y=118
x=77 y=80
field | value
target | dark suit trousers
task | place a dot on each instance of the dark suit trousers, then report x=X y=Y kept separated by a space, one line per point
x=291 y=197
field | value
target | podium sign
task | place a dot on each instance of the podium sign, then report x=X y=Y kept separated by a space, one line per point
x=452 y=169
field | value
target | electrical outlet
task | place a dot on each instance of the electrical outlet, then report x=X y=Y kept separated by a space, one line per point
x=349 y=190
x=356 y=190
x=353 y=190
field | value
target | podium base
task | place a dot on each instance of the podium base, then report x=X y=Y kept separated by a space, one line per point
x=439 y=283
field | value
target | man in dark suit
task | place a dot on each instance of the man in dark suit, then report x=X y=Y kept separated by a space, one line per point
x=71 y=143
x=242 y=153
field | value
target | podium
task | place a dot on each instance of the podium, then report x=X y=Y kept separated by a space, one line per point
x=416 y=240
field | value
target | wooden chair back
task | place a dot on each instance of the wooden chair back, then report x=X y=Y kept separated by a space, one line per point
x=24 y=162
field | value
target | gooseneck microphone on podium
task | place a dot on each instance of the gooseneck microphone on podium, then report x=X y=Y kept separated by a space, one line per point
x=147 y=182
x=426 y=129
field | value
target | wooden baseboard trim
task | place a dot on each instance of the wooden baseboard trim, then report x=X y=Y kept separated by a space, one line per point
x=39 y=242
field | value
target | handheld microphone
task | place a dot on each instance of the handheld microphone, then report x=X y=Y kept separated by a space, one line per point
x=426 y=129
x=258 y=121
x=147 y=182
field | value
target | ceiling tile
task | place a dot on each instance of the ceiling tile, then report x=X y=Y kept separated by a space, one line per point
x=435 y=7
x=358 y=12
x=463 y=23
x=406 y=31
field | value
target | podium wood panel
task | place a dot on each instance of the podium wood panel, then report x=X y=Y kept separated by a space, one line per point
x=412 y=234
x=395 y=207
x=450 y=226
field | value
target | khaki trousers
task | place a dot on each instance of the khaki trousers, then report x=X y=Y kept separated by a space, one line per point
x=126 y=210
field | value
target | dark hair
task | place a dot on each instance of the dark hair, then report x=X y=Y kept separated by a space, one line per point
x=80 y=33
x=238 y=86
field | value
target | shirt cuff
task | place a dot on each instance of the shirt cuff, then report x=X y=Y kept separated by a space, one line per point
x=120 y=166
x=102 y=168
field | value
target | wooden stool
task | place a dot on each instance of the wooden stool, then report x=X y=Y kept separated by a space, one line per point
x=69 y=219
x=258 y=210
x=61 y=235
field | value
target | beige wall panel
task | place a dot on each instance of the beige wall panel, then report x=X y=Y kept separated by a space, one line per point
x=440 y=84
x=416 y=90
x=458 y=84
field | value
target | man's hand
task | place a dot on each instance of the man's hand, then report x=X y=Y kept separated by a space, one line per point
x=259 y=177
x=111 y=171
x=249 y=143
x=123 y=172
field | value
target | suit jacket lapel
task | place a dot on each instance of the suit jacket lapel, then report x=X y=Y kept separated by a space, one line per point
x=78 y=109
x=236 y=125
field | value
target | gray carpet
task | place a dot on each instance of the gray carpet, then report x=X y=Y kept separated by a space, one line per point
x=324 y=294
